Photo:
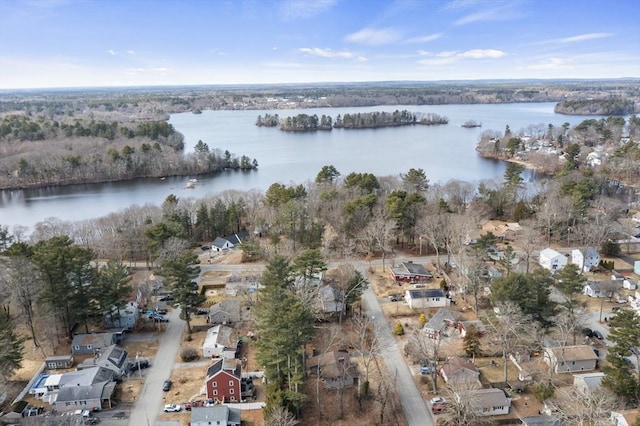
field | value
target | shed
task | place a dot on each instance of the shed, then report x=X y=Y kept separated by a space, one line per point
x=59 y=361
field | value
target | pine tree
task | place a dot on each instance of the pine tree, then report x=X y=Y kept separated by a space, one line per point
x=179 y=274
x=11 y=348
x=471 y=341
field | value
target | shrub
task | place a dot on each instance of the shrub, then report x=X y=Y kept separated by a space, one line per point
x=398 y=330
x=422 y=320
x=189 y=354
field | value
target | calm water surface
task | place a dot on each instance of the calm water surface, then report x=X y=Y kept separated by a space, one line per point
x=445 y=152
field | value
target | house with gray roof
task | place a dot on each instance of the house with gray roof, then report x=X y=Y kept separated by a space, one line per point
x=83 y=344
x=218 y=415
x=225 y=312
x=90 y=397
x=409 y=272
x=112 y=357
x=488 y=402
x=439 y=322
x=220 y=341
x=587 y=383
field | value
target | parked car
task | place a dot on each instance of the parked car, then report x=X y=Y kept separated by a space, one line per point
x=394 y=298
x=438 y=400
x=615 y=309
x=425 y=369
x=166 y=385
x=202 y=311
x=205 y=248
x=172 y=408
x=159 y=318
x=166 y=298
x=187 y=406
x=133 y=366
x=598 y=335
x=587 y=332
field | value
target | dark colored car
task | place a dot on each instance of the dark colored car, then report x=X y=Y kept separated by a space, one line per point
x=133 y=366
x=166 y=298
x=597 y=335
x=202 y=311
x=587 y=332
x=166 y=385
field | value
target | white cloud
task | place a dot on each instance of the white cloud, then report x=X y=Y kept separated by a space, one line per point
x=585 y=37
x=111 y=52
x=549 y=64
x=450 y=56
x=326 y=53
x=504 y=12
x=424 y=39
x=460 y=4
x=292 y=9
x=131 y=52
x=374 y=37
x=482 y=53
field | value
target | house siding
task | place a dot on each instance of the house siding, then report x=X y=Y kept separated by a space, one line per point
x=227 y=387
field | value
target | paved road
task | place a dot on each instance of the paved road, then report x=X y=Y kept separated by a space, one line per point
x=414 y=407
x=150 y=400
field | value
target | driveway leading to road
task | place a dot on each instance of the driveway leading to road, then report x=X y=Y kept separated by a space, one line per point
x=150 y=401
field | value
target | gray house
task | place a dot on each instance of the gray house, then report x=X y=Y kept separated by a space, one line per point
x=569 y=359
x=83 y=344
x=219 y=415
x=112 y=357
x=59 y=361
x=123 y=318
x=225 y=312
x=438 y=323
x=89 y=397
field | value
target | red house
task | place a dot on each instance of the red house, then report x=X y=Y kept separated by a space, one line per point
x=409 y=272
x=223 y=381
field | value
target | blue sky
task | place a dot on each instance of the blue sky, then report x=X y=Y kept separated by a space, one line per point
x=75 y=43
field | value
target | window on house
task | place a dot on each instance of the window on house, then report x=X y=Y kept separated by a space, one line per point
x=89 y=347
x=77 y=348
x=215 y=392
x=573 y=363
x=233 y=398
x=214 y=384
x=230 y=382
x=231 y=391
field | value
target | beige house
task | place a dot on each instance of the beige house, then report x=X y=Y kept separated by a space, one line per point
x=335 y=369
x=587 y=383
x=569 y=359
x=502 y=230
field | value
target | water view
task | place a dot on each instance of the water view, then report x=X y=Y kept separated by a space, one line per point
x=445 y=152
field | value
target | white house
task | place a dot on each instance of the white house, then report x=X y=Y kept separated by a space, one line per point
x=552 y=260
x=585 y=259
x=602 y=288
x=426 y=298
x=488 y=402
x=221 y=341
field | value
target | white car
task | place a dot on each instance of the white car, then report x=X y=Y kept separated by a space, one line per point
x=172 y=408
x=438 y=400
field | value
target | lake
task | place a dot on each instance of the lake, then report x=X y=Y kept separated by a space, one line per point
x=444 y=152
